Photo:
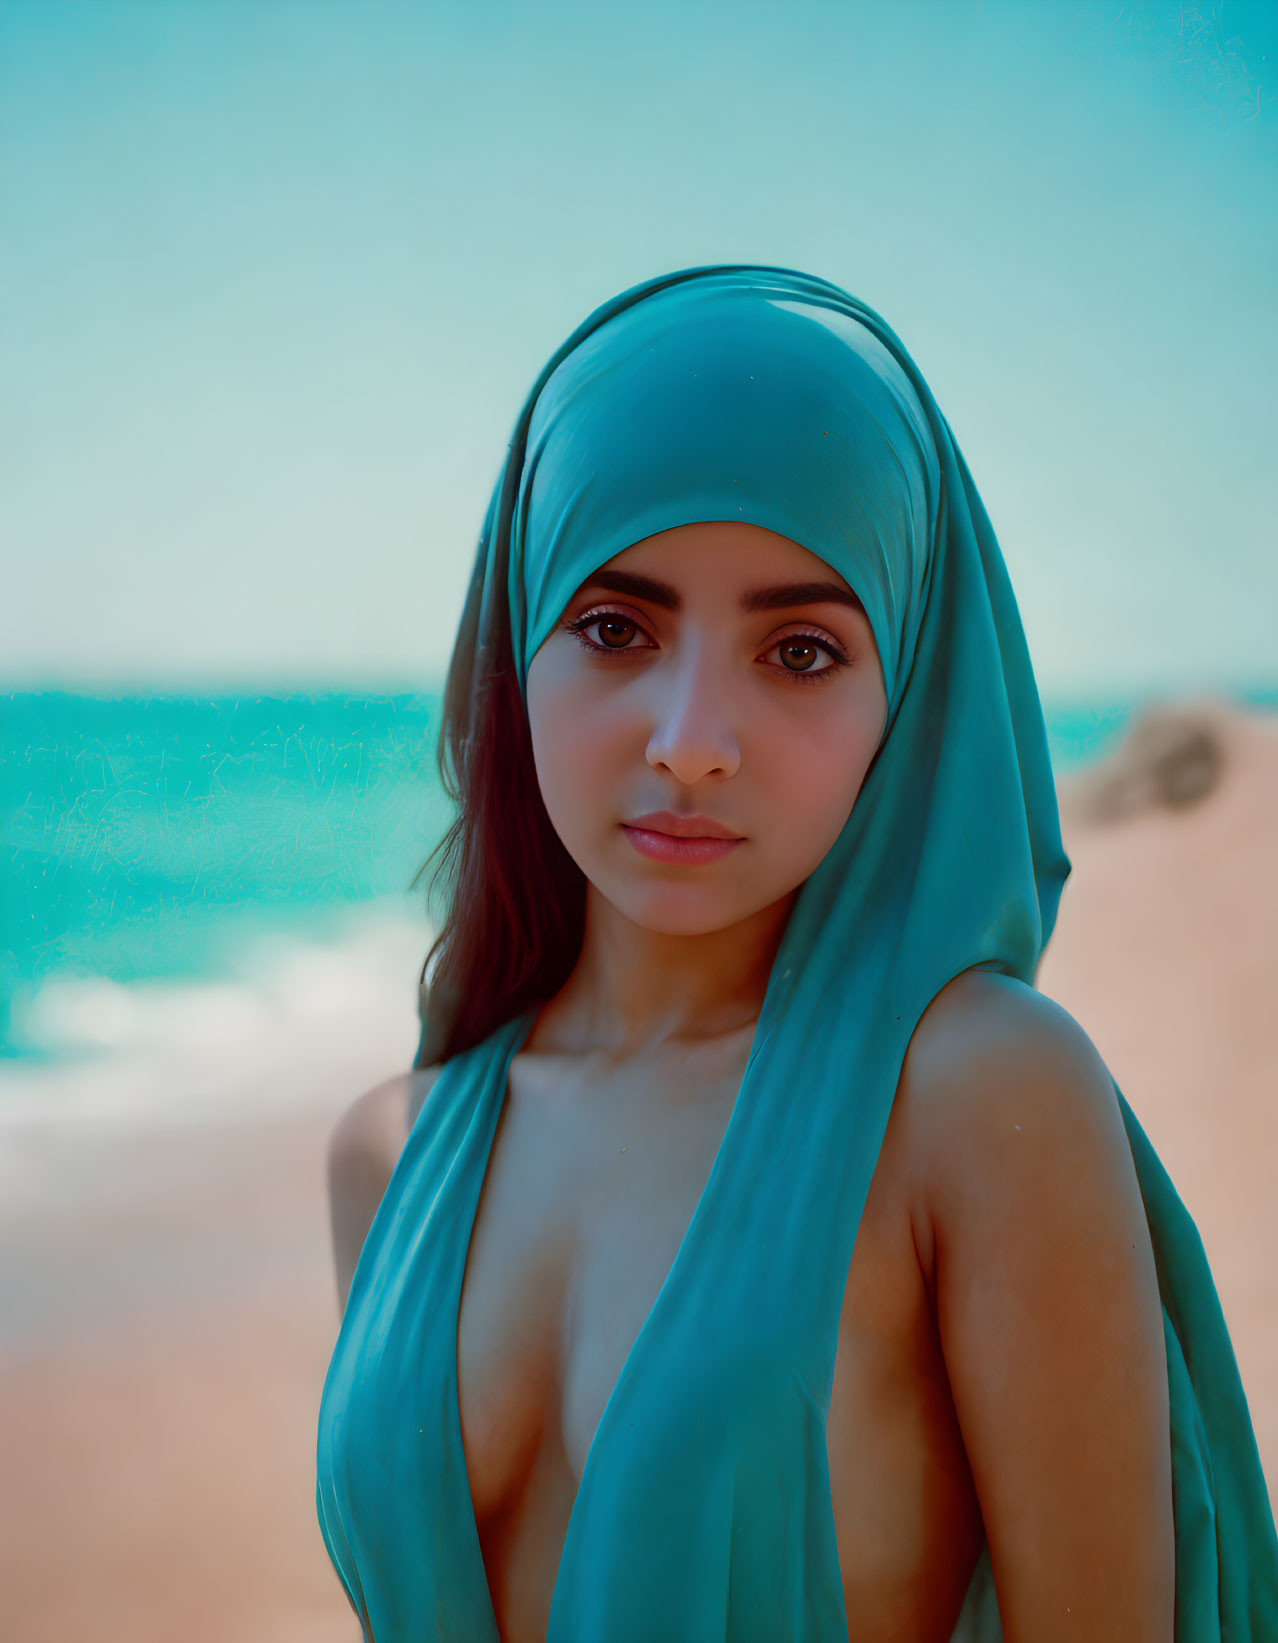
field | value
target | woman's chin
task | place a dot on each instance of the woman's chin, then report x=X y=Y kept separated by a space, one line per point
x=678 y=910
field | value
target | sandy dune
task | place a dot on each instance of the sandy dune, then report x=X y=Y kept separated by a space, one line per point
x=158 y=1389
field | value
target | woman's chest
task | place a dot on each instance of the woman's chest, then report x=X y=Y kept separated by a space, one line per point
x=583 y=1208
x=587 y=1196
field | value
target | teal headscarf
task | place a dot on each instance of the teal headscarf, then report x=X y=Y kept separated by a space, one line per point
x=771 y=397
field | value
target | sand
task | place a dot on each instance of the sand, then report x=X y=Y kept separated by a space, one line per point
x=158 y=1426
x=168 y=1305
x=1166 y=951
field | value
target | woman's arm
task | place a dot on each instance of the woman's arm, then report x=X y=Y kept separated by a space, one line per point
x=1049 y=1315
x=362 y=1154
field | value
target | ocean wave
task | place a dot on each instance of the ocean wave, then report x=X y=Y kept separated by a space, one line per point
x=293 y=1020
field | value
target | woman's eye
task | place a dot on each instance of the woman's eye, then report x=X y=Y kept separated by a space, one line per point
x=615 y=631
x=802 y=655
x=607 y=631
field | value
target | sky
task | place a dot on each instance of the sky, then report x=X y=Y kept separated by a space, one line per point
x=278 y=274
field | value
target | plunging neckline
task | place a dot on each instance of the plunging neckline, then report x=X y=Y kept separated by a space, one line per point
x=607 y=1416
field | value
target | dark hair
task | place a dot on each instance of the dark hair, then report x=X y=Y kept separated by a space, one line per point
x=515 y=899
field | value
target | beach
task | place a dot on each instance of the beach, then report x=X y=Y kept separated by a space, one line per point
x=169 y=1303
x=1166 y=951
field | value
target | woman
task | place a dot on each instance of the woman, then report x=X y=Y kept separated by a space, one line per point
x=752 y=1253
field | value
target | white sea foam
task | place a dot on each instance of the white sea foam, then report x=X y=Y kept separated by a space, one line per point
x=298 y=1022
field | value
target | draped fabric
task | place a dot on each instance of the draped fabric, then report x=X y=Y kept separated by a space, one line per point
x=771 y=397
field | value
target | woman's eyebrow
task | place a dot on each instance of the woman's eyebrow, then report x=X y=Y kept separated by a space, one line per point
x=786 y=594
x=782 y=596
x=638 y=587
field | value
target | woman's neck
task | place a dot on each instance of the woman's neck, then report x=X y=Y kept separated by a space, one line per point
x=634 y=990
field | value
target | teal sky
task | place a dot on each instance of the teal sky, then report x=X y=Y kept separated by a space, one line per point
x=277 y=276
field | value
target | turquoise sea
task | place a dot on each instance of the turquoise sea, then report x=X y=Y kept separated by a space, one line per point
x=149 y=838
x=153 y=838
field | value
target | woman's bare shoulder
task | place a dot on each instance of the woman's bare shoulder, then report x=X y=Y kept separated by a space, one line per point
x=993 y=1062
x=376 y=1124
x=362 y=1153
x=985 y=1034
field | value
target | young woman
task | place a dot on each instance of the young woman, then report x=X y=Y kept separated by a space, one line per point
x=753 y=1254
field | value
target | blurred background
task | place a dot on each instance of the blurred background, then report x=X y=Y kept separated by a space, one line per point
x=278 y=275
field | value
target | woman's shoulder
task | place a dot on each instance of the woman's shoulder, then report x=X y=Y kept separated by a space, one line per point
x=372 y=1130
x=986 y=1034
x=362 y=1153
x=1000 y=1080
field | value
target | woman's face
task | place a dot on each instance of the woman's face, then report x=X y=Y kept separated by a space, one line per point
x=716 y=679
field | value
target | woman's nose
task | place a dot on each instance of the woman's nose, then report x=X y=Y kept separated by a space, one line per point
x=694 y=730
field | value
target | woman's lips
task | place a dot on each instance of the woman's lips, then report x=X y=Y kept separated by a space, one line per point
x=685 y=847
